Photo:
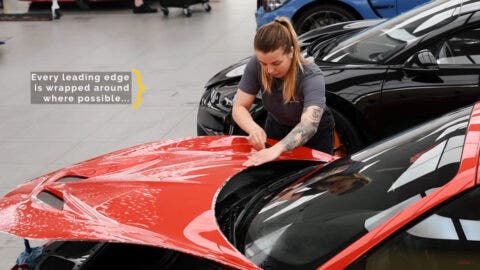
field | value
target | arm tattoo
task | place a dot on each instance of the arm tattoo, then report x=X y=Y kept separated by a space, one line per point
x=304 y=130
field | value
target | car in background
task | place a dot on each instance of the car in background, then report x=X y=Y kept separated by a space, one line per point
x=408 y=202
x=379 y=81
x=307 y=15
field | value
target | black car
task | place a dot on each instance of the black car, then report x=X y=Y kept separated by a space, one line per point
x=381 y=80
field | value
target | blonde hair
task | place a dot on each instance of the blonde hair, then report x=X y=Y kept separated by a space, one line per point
x=272 y=36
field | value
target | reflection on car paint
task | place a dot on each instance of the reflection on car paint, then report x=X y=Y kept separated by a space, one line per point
x=132 y=196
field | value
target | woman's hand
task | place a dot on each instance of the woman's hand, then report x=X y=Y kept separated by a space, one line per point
x=257 y=138
x=264 y=155
x=240 y=112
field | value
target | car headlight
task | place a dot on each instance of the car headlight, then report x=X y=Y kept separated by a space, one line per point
x=238 y=71
x=271 y=5
x=219 y=98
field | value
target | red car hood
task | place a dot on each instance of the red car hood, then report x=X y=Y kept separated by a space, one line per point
x=160 y=194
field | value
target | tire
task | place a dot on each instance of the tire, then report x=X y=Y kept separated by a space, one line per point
x=83 y=4
x=347 y=139
x=207 y=7
x=165 y=11
x=321 y=15
x=187 y=12
x=57 y=13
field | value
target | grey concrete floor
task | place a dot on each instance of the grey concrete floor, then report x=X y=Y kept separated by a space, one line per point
x=175 y=55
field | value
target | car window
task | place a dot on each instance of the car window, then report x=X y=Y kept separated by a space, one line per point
x=320 y=214
x=448 y=238
x=379 y=43
x=463 y=48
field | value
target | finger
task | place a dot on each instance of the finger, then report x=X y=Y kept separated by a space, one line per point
x=254 y=160
x=260 y=144
x=249 y=163
x=261 y=138
x=264 y=137
x=257 y=144
x=253 y=139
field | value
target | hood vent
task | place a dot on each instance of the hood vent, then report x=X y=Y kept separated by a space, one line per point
x=51 y=199
x=71 y=178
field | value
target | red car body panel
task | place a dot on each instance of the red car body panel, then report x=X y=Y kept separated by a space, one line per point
x=464 y=180
x=159 y=194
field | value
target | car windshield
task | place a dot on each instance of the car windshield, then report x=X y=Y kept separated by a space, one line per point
x=377 y=44
x=320 y=214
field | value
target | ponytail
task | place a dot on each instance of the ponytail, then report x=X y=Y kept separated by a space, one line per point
x=272 y=36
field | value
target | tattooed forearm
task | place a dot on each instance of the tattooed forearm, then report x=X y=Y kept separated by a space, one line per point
x=305 y=130
x=299 y=135
x=313 y=114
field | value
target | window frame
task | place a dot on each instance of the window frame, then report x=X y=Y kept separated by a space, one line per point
x=378 y=247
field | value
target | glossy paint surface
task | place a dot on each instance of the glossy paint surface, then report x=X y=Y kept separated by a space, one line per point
x=407 y=101
x=158 y=194
x=465 y=179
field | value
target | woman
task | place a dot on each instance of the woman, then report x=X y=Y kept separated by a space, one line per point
x=293 y=92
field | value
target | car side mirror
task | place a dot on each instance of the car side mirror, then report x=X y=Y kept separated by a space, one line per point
x=422 y=60
x=422 y=67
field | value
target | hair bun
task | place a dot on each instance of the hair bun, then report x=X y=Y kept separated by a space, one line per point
x=281 y=21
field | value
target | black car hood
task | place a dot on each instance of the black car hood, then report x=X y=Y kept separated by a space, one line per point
x=228 y=74
x=233 y=73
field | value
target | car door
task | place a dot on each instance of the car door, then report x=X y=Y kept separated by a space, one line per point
x=447 y=238
x=412 y=95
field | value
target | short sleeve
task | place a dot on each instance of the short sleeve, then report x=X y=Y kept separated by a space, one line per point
x=249 y=82
x=313 y=88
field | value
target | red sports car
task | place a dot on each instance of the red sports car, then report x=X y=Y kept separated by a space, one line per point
x=409 y=202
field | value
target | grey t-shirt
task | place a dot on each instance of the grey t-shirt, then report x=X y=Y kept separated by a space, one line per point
x=310 y=92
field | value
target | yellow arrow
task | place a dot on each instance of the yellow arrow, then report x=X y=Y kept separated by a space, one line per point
x=141 y=89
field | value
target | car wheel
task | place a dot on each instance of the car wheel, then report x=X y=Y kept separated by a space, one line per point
x=187 y=12
x=207 y=7
x=165 y=11
x=347 y=140
x=57 y=14
x=321 y=15
x=83 y=4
